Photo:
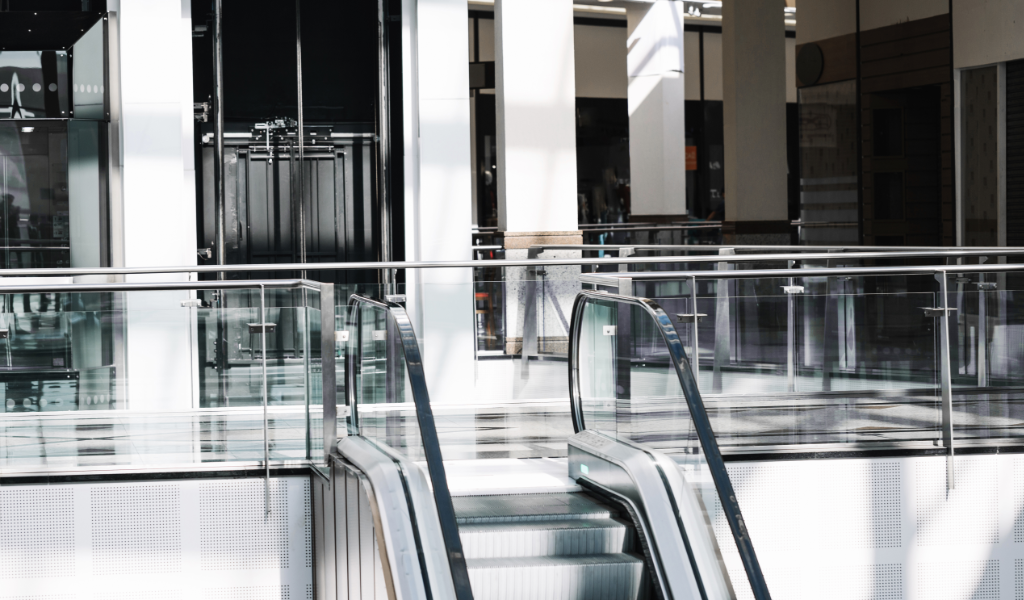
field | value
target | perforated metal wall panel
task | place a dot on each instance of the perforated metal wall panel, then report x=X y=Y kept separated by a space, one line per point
x=157 y=540
x=884 y=528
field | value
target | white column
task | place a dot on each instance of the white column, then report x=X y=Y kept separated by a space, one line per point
x=438 y=191
x=754 y=107
x=157 y=201
x=657 y=105
x=535 y=74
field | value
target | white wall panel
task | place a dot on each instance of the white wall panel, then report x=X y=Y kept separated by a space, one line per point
x=156 y=540
x=600 y=61
x=884 y=528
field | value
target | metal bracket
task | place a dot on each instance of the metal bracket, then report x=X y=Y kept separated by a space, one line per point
x=341 y=336
x=609 y=329
x=204 y=253
x=379 y=335
x=987 y=286
x=793 y=289
x=195 y=303
x=257 y=328
x=937 y=311
x=395 y=298
x=5 y=334
x=689 y=317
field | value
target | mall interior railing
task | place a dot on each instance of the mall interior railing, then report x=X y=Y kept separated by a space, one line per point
x=787 y=358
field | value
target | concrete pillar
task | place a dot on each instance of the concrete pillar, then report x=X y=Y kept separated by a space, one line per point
x=535 y=85
x=657 y=105
x=153 y=218
x=438 y=192
x=535 y=76
x=754 y=86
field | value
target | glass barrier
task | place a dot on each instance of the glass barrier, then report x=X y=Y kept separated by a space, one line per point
x=139 y=378
x=634 y=383
x=390 y=405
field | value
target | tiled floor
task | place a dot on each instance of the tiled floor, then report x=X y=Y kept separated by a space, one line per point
x=517 y=429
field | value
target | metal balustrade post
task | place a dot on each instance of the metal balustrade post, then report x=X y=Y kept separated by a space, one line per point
x=830 y=340
x=722 y=325
x=263 y=365
x=530 y=333
x=695 y=347
x=791 y=333
x=983 y=358
x=945 y=379
x=328 y=367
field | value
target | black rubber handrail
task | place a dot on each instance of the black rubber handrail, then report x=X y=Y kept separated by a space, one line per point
x=428 y=434
x=701 y=422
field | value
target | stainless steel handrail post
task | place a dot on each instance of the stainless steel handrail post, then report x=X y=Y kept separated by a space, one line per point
x=945 y=381
x=791 y=333
x=328 y=368
x=695 y=347
x=263 y=363
x=723 y=325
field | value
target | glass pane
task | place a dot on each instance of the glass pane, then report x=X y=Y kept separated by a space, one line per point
x=630 y=390
x=157 y=378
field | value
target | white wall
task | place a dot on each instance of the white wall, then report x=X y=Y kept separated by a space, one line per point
x=987 y=32
x=883 y=528
x=691 y=60
x=157 y=203
x=713 y=66
x=198 y=538
x=881 y=13
x=822 y=19
x=600 y=61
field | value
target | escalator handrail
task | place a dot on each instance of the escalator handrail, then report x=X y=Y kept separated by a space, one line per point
x=428 y=434
x=698 y=413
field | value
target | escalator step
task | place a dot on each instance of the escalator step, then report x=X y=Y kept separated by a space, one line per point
x=545 y=538
x=601 y=577
x=528 y=507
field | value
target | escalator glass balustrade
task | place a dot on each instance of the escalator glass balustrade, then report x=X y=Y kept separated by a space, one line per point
x=643 y=435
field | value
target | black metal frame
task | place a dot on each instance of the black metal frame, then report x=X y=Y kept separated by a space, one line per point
x=701 y=422
x=428 y=433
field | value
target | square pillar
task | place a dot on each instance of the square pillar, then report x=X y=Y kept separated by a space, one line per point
x=657 y=107
x=535 y=85
x=754 y=87
x=438 y=191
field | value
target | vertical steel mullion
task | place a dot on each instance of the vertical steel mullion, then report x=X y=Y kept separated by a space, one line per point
x=263 y=363
x=982 y=362
x=722 y=326
x=695 y=348
x=791 y=334
x=328 y=369
x=945 y=381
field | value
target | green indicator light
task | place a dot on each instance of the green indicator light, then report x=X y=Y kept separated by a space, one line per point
x=584 y=469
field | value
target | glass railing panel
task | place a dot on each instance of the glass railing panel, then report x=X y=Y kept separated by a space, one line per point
x=987 y=355
x=630 y=389
x=382 y=401
x=158 y=378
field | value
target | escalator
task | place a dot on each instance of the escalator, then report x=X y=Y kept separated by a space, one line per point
x=643 y=519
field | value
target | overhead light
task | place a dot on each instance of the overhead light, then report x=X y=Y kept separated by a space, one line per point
x=712 y=5
x=27 y=129
x=604 y=0
x=790 y=9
